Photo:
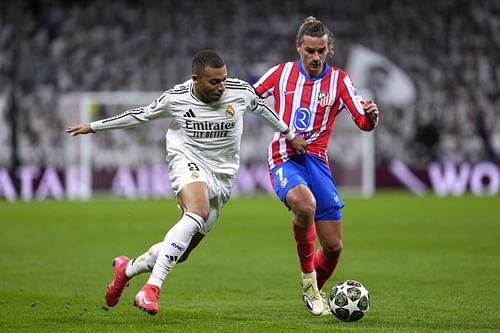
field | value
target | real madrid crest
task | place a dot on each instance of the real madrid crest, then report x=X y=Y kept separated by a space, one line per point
x=229 y=110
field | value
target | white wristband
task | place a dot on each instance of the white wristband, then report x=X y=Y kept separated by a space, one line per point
x=290 y=135
x=91 y=125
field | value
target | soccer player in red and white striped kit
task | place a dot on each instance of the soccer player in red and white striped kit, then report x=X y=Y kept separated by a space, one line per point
x=308 y=95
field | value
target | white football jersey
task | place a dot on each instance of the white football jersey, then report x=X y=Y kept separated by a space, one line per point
x=209 y=134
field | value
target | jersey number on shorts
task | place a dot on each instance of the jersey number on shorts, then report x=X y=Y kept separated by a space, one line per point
x=279 y=173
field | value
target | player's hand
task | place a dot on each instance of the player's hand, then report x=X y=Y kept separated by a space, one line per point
x=299 y=144
x=371 y=111
x=79 y=129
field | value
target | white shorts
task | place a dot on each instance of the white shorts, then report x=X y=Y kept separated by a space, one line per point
x=183 y=171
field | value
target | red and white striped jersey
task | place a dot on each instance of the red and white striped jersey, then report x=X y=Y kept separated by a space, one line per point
x=309 y=106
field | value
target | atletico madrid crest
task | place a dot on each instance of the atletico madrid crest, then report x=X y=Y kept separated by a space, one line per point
x=283 y=182
x=324 y=99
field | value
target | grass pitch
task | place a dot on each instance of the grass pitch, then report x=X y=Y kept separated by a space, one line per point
x=430 y=264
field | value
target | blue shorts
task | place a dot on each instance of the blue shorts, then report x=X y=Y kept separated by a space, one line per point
x=314 y=172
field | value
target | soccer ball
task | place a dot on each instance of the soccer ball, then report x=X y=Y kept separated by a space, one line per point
x=349 y=300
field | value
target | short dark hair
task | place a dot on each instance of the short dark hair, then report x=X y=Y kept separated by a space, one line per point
x=315 y=28
x=205 y=58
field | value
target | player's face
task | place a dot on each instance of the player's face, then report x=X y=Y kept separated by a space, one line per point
x=210 y=84
x=313 y=52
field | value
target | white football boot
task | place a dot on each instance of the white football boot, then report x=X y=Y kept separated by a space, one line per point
x=311 y=295
x=326 y=304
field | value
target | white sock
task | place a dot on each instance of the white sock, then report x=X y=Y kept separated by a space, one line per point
x=174 y=245
x=311 y=275
x=143 y=263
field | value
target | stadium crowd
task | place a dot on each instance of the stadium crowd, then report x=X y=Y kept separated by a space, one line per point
x=449 y=50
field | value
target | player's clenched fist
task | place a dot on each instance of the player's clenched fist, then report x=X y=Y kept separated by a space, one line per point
x=371 y=110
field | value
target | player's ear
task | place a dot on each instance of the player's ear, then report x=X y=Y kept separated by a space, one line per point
x=194 y=77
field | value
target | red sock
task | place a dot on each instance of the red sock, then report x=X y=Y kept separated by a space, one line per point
x=305 y=238
x=324 y=267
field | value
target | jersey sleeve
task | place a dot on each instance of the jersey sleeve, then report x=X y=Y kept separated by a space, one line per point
x=258 y=106
x=133 y=117
x=265 y=85
x=353 y=103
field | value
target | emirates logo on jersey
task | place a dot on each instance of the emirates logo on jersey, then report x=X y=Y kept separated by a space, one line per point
x=229 y=111
x=324 y=99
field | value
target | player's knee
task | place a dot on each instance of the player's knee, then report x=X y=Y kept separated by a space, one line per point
x=201 y=211
x=304 y=209
x=332 y=250
x=304 y=215
x=301 y=202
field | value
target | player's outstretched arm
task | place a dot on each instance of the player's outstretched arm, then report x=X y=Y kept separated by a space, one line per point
x=79 y=129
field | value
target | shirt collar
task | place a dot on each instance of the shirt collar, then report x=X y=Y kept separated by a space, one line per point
x=301 y=70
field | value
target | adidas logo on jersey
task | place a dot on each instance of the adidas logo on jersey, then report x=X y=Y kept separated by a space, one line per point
x=189 y=114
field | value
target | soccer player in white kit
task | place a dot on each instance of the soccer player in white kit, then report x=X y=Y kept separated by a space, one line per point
x=203 y=144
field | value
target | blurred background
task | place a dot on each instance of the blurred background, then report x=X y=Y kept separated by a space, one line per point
x=433 y=67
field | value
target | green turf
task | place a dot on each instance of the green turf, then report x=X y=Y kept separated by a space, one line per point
x=430 y=264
